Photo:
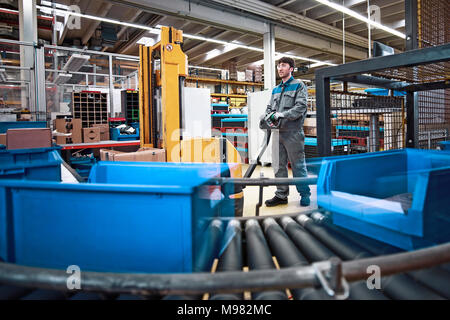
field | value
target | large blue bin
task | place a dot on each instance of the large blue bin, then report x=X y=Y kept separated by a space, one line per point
x=5 y=125
x=150 y=222
x=398 y=197
x=444 y=145
x=31 y=164
x=141 y=173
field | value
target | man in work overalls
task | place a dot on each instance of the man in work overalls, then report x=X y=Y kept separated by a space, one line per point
x=289 y=101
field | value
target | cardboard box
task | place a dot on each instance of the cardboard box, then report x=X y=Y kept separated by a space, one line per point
x=91 y=135
x=69 y=125
x=143 y=154
x=3 y=138
x=240 y=90
x=310 y=131
x=249 y=75
x=25 y=116
x=63 y=139
x=240 y=76
x=310 y=122
x=28 y=138
x=104 y=131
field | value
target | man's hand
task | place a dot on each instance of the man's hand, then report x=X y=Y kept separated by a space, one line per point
x=276 y=116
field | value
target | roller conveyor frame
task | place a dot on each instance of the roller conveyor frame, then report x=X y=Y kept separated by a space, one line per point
x=194 y=285
x=340 y=257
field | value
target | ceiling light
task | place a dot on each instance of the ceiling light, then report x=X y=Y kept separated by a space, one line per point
x=206 y=68
x=317 y=64
x=128 y=59
x=57 y=5
x=87 y=16
x=358 y=16
x=156 y=30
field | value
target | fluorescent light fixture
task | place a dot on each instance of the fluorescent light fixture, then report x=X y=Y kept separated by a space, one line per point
x=306 y=59
x=156 y=30
x=62 y=78
x=57 y=5
x=360 y=17
x=317 y=64
x=88 y=16
x=206 y=68
x=76 y=61
x=213 y=53
x=128 y=59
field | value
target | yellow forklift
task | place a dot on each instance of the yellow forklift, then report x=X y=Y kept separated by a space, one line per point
x=162 y=71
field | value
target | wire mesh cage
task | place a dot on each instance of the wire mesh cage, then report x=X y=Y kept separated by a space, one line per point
x=366 y=123
x=433 y=19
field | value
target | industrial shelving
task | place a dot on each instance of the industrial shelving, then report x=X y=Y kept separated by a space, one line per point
x=91 y=107
x=130 y=105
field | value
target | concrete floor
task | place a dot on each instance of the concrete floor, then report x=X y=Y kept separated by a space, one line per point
x=251 y=195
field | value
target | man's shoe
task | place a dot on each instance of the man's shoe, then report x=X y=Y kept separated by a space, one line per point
x=275 y=201
x=305 y=201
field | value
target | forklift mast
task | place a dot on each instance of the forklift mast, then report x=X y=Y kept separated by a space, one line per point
x=162 y=130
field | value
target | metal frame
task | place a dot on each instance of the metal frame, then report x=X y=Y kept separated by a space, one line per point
x=411 y=24
x=40 y=69
x=353 y=72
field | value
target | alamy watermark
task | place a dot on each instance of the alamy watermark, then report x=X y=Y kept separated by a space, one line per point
x=74 y=280
x=374 y=280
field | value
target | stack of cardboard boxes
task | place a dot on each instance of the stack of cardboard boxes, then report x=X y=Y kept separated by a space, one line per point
x=257 y=73
x=69 y=130
x=310 y=127
x=240 y=76
x=232 y=68
x=249 y=75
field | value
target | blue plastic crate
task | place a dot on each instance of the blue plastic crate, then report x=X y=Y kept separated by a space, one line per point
x=444 y=145
x=219 y=104
x=384 y=92
x=365 y=194
x=83 y=165
x=135 y=125
x=230 y=115
x=31 y=164
x=117 y=136
x=136 y=217
x=311 y=141
x=5 y=125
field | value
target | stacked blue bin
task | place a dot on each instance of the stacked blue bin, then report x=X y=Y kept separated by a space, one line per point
x=444 y=145
x=117 y=136
x=399 y=197
x=130 y=217
x=5 y=125
x=31 y=164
